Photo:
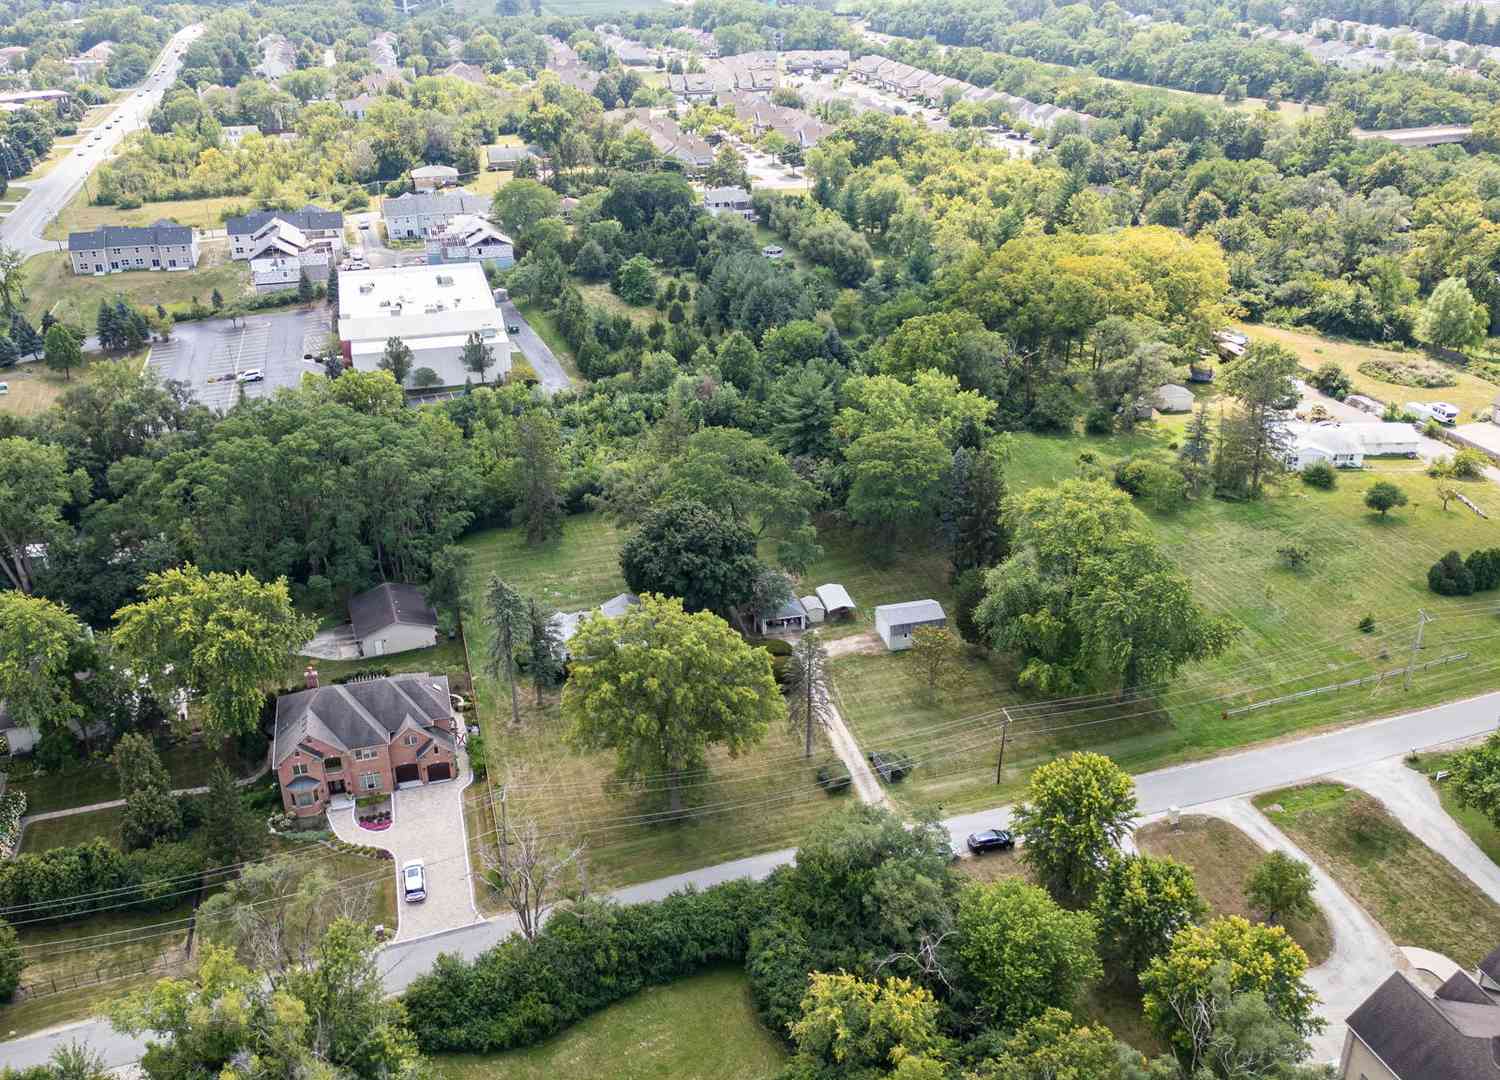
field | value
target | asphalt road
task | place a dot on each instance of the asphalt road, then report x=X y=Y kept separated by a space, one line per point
x=548 y=369
x=22 y=228
x=1259 y=769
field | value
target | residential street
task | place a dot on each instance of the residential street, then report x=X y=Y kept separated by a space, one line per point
x=22 y=228
x=1194 y=785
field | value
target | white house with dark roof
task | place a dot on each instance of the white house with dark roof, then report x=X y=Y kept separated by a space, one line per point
x=419 y=215
x=432 y=177
x=895 y=623
x=366 y=737
x=728 y=200
x=113 y=249
x=566 y=623
x=508 y=157
x=392 y=618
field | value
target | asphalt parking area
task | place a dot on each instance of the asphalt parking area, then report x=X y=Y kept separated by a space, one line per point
x=210 y=355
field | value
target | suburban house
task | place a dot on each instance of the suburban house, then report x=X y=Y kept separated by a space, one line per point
x=818 y=61
x=382 y=49
x=895 y=622
x=794 y=125
x=278 y=273
x=566 y=623
x=469 y=73
x=469 y=238
x=113 y=249
x=692 y=87
x=728 y=200
x=432 y=177
x=1404 y=1032
x=1345 y=446
x=234 y=134
x=278 y=57
x=316 y=226
x=392 y=618
x=670 y=141
x=507 y=157
x=90 y=64
x=357 y=107
x=432 y=309
x=630 y=53
x=425 y=214
x=362 y=738
x=791 y=615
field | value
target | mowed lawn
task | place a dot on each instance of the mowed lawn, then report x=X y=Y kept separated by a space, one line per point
x=52 y=285
x=700 y=1028
x=74 y=829
x=81 y=215
x=1480 y=828
x=1469 y=393
x=188 y=763
x=760 y=801
x=1222 y=858
x=1415 y=893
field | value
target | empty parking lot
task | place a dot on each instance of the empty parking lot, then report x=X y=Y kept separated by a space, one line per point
x=209 y=356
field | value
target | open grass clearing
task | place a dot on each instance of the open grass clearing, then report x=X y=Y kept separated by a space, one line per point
x=52 y=285
x=444 y=658
x=1469 y=393
x=735 y=807
x=1415 y=893
x=209 y=213
x=73 y=829
x=1222 y=858
x=32 y=388
x=1481 y=829
x=699 y=1028
x=188 y=763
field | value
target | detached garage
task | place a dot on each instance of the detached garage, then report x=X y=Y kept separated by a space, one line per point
x=392 y=618
x=896 y=622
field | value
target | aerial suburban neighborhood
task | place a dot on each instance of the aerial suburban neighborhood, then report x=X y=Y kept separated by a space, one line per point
x=772 y=539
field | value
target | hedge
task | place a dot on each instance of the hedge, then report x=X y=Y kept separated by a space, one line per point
x=586 y=957
x=67 y=882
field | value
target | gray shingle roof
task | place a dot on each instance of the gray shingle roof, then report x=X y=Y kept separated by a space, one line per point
x=1422 y=1038
x=912 y=611
x=434 y=202
x=388 y=604
x=109 y=236
x=363 y=713
x=309 y=217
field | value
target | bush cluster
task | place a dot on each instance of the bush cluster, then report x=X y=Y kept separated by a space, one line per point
x=586 y=957
x=1332 y=380
x=1453 y=575
x=69 y=882
x=1410 y=371
x=1320 y=474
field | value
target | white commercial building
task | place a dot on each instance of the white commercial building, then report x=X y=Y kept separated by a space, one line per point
x=432 y=309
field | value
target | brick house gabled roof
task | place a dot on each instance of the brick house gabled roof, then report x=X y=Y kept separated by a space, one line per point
x=362 y=714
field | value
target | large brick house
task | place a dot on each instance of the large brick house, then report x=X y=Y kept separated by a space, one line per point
x=363 y=738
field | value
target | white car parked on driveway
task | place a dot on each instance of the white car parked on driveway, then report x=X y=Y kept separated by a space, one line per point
x=414 y=881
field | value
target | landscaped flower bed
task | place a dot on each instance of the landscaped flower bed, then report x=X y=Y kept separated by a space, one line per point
x=12 y=807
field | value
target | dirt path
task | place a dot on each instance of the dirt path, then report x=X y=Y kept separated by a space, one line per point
x=866 y=783
x=868 y=642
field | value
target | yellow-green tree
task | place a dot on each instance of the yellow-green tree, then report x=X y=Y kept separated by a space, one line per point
x=1077 y=810
x=221 y=637
x=853 y=1025
x=659 y=686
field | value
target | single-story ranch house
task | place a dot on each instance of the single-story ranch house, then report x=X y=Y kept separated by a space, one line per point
x=392 y=618
x=362 y=738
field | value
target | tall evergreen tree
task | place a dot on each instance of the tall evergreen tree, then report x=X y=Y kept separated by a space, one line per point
x=539 y=449
x=971 y=518
x=397 y=359
x=333 y=289
x=28 y=341
x=1197 y=449
x=8 y=352
x=305 y=291
x=477 y=356
x=505 y=613
x=800 y=408
x=107 y=326
x=151 y=810
x=230 y=832
x=545 y=648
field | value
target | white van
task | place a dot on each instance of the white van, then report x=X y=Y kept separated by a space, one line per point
x=1440 y=411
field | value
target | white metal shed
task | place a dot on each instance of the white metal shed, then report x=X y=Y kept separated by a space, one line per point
x=895 y=622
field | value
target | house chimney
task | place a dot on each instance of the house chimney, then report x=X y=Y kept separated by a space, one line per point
x=311 y=675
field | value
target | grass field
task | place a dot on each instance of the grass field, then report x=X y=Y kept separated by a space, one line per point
x=80 y=215
x=575 y=795
x=32 y=388
x=188 y=763
x=1415 y=893
x=1481 y=829
x=54 y=287
x=1222 y=859
x=74 y=829
x=1470 y=393
x=701 y=1028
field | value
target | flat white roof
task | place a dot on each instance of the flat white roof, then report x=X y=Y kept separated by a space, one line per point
x=417 y=302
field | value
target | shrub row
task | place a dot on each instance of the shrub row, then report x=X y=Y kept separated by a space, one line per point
x=586 y=957
x=69 y=882
x=1412 y=371
x=1453 y=575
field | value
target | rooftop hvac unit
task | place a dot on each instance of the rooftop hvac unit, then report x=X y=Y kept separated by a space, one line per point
x=445 y=279
x=366 y=287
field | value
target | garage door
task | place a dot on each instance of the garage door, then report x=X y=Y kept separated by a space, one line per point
x=439 y=770
x=406 y=774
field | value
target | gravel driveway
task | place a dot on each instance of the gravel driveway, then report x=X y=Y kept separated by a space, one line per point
x=427 y=823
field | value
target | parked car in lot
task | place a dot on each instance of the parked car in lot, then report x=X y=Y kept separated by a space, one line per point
x=991 y=840
x=414 y=881
x=252 y=375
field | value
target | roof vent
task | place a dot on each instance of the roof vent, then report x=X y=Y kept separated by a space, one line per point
x=445 y=279
x=366 y=287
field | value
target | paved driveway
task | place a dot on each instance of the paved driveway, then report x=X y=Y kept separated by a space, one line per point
x=427 y=823
x=207 y=355
x=548 y=369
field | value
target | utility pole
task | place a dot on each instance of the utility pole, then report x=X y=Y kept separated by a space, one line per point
x=1416 y=645
x=1004 y=734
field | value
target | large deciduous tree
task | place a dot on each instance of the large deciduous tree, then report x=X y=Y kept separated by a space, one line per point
x=1262 y=959
x=897 y=478
x=223 y=638
x=1020 y=952
x=857 y=1027
x=1281 y=888
x=520 y=204
x=397 y=359
x=1451 y=318
x=61 y=352
x=1077 y=810
x=1054 y=1046
x=37 y=637
x=686 y=550
x=659 y=686
x=1474 y=777
x=1140 y=904
x=36 y=485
